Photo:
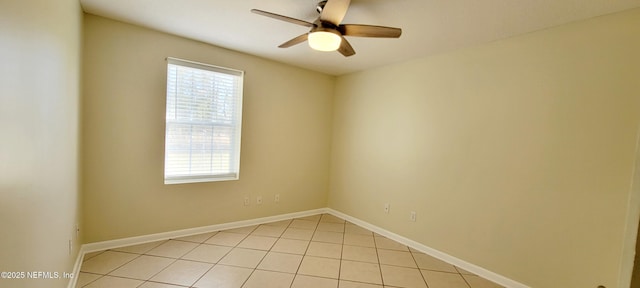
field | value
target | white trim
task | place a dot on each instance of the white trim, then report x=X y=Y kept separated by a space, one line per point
x=182 y=172
x=199 y=179
x=76 y=268
x=110 y=244
x=484 y=273
x=204 y=66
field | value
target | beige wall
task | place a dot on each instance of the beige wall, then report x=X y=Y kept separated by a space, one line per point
x=39 y=98
x=285 y=136
x=516 y=155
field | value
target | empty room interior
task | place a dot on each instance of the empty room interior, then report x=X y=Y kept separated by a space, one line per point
x=452 y=144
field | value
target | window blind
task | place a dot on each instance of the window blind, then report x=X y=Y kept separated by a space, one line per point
x=203 y=122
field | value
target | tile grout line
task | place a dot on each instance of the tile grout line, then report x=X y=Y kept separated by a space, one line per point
x=317 y=229
x=214 y=264
x=463 y=278
x=236 y=246
x=139 y=255
x=262 y=259
x=174 y=261
x=378 y=256
x=341 y=251
x=107 y=274
x=419 y=270
x=305 y=250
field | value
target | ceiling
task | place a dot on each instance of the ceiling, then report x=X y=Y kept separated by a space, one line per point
x=429 y=26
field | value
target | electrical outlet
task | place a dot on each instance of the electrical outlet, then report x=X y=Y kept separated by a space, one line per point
x=246 y=201
x=386 y=208
x=259 y=200
x=412 y=216
x=276 y=198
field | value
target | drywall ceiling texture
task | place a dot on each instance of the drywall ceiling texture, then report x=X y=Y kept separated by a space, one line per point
x=39 y=112
x=429 y=26
x=285 y=136
x=517 y=155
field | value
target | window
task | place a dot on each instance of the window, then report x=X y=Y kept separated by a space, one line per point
x=204 y=116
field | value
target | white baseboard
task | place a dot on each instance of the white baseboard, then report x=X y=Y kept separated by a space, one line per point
x=484 y=273
x=111 y=244
x=76 y=269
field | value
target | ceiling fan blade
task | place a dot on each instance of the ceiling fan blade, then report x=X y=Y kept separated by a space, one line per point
x=359 y=30
x=283 y=18
x=334 y=11
x=295 y=41
x=345 y=48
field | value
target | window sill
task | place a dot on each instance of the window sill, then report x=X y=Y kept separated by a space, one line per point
x=199 y=180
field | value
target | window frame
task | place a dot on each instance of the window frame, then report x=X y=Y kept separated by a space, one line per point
x=234 y=174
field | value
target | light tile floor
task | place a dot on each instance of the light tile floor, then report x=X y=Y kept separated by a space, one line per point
x=320 y=251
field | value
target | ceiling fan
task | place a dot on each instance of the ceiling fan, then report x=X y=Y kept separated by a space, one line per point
x=327 y=33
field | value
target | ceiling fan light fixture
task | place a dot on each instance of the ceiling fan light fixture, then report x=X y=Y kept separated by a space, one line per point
x=327 y=33
x=325 y=40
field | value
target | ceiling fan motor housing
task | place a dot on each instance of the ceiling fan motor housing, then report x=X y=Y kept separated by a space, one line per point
x=320 y=6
